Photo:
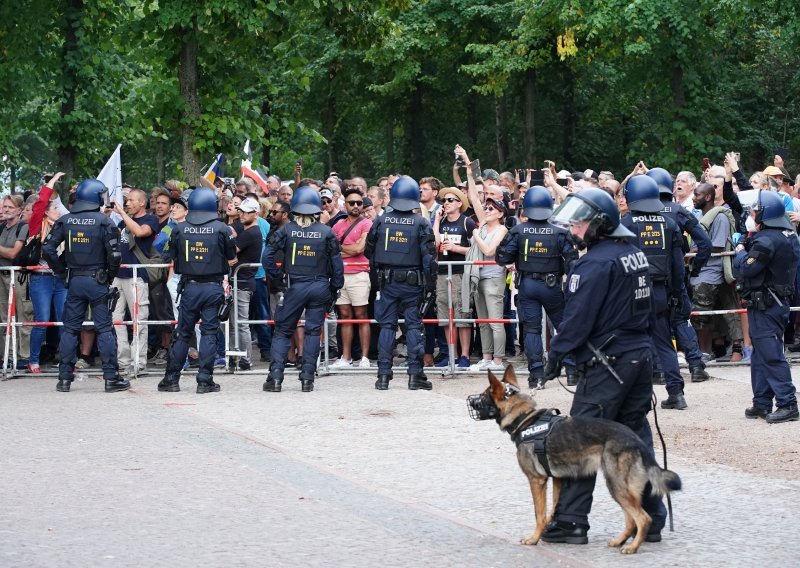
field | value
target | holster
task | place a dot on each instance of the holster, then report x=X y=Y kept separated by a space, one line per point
x=112 y=297
x=102 y=277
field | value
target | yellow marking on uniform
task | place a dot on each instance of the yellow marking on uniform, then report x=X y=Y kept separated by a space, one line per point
x=69 y=240
x=187 y=250
x=526 y=250
x=386 y=240
x=294 y=251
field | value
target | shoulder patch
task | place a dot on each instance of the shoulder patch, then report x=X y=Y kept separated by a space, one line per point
x=751 y=260
x=574 y=282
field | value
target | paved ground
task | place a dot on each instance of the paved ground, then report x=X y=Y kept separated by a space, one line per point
x=343 y=476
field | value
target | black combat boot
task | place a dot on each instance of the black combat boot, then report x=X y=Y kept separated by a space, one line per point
x=675 y=401
x=756 y=412
x=273 y=383
x=382 y=383
x=784 y=414
x=569 y=533
x=63 y=385
x=699 y=374
x=536 y=379
x=306 y=385
x=116 y=385
x=204 y=387
x=169 y=385
x=419 y=381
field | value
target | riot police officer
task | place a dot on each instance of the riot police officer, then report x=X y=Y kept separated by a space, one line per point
x=402 y=253
x=313 y=274
x=605 y=323
x=201 y=249
x=89 y=263
x=685 y=335
x=543 y=253
x=660 y=240
x=765 y=267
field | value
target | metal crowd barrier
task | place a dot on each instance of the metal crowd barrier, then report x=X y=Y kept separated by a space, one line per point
x=236 y=350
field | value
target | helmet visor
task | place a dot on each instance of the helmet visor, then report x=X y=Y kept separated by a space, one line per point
x=571 y=210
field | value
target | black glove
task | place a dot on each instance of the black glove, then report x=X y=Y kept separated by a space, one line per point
x=552 y=369
x=332 y=302
x=695 y=272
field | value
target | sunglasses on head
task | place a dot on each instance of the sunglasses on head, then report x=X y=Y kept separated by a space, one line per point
x=452 y=200
x=354 y=203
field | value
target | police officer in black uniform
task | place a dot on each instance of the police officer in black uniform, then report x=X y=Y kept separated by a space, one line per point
x=606 y=318
x=543 y=253
x=402 y=253
x=660 y=240
x=685 y=335
x=313 y=273
x=89 y=263
x=201 y=249
x=765 y=267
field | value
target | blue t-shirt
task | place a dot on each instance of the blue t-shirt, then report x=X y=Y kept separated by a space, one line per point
x=263 y=224
x=145 y=245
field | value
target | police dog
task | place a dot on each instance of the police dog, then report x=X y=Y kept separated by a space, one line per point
x=576 y=447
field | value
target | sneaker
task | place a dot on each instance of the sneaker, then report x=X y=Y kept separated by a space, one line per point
x=342 y=363
x=675 y=402
x=785 y=414
x=82 y=363
x=482 y=365
x=220 y=363
x=244 y=365
x=443 y=363
x=160 y=358
x=462 y=362
x=363 y=363
x=22 y=364
x=492 y=366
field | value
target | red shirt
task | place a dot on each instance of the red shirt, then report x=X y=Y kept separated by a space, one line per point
x=363 y=227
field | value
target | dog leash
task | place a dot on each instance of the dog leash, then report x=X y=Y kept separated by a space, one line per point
x=664 y=448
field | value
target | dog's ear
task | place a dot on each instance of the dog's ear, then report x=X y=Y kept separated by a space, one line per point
x=510 y=376
x=497 y=388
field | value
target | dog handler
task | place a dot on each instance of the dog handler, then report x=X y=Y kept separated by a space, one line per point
x=606 y=318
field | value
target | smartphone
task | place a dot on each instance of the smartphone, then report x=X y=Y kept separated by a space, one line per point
x=476 y=169
x=738 y=157
x=299 y=162
x=537 y=177
x=563 y=182
x=459 y=161
x=782 y=152
x=706 y=164
x=522 y=175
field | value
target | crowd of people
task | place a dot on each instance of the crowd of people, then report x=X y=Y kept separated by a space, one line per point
x=471 y=219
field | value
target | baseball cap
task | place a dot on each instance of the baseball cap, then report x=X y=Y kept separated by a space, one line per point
x=249 y=205
x=491 y=174
x=325 y=192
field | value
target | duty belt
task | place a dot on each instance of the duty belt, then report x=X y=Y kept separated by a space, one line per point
x=91 y=273
x=549 y=278
x=410 y=276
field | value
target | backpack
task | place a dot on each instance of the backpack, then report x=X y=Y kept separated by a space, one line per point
x=155 y=274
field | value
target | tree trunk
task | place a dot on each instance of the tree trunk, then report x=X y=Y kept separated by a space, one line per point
x=390 y=144
x=472 y=122
x=416 y=132
x=501 y=136
x=329 y=121
x=678 y=102
x=160 y=166
x=266 y=110
x=529 y=130
x=12 y=177
x=570 y=117
x=65 y=132
x=187 y=77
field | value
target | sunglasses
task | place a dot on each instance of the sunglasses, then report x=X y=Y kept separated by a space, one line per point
x=275 y=211
x=326 y=200
x=452 y=200
x=355 y=203
x=488 y=208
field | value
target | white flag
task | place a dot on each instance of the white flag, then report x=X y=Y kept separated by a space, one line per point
x=111 y=176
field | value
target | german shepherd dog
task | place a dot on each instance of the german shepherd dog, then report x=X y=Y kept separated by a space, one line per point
x=576 y=447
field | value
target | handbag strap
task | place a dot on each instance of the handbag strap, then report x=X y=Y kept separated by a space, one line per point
x=350 y=228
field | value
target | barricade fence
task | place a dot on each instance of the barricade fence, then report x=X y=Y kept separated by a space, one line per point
x=232 y=347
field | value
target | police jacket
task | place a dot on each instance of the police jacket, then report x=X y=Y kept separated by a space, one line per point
x=768 y=263
x=658 y=237
x=91 y=242
x=201 y=252
x=608 y=294
x=308 y=253
x=688 y=223
x=401 y=240
x=537 y=247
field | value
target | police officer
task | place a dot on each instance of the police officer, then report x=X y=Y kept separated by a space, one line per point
x=765 y=267
x=89 y=263
x=543 y=253
x=605 y=323
x=660 y=240
x=313 y=273
x=685 y=335
x=201 y=249
x=402 y=253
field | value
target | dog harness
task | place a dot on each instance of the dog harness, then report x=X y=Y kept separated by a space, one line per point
x=537 y=434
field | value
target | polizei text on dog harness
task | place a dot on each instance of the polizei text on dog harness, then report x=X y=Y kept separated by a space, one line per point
x=537 y=434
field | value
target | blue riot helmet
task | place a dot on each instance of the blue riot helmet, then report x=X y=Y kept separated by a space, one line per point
x=770 y=211
x=641 y=193
x=593 y=205
x=306 y=201
x=663 y=179
x=404 y=195
x=202 y=206
x=537 y=204
x=89 y=196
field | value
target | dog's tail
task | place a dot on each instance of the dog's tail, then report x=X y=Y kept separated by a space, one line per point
x=663 y=480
